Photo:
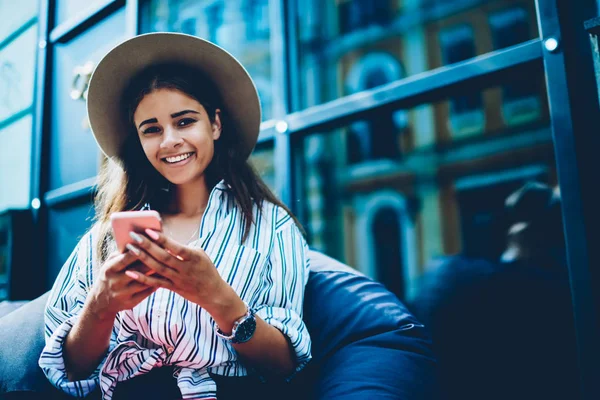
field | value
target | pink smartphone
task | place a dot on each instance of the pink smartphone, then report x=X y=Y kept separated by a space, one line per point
x=137 y=221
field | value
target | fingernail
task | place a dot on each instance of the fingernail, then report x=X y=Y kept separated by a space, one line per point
x=136 y=237
x=131 y=274
x=133 y=249
x=152 y=234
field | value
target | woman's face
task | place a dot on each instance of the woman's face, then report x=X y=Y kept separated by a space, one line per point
x=176 y=134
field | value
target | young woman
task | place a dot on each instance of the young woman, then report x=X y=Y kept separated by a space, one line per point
x=177 y=118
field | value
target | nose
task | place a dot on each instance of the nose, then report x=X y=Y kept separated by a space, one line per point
x=171 y=138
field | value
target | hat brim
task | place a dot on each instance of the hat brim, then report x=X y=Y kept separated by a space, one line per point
x=114 y=72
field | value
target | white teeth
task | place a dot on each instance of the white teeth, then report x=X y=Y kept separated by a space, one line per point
x=178 y=158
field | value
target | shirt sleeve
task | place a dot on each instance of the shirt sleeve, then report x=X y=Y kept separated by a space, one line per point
x=62 y=311
x=288 y=269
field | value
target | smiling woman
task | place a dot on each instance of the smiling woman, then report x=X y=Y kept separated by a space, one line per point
x=173 y=110
x=226 y=300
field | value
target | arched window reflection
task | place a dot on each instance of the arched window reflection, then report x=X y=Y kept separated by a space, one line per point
x=377 y=138
x=386 y=232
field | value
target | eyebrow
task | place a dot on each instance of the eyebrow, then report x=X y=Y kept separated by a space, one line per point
x=180 y=113
x=175 y=115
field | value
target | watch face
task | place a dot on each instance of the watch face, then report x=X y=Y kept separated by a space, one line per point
x=245 y=330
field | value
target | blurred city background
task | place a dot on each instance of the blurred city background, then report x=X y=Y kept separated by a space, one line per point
x=384 y=193
x=394 y=129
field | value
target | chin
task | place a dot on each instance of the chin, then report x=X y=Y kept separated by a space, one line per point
x=181 y=180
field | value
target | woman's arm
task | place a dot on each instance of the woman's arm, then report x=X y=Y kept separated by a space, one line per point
x=87 y=343
x=268 y=350
x=89 y=338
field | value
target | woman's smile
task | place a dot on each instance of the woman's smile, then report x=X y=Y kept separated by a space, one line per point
x=179 y=160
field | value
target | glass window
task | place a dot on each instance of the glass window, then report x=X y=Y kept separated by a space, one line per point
x=432 y=195
x=239 y=26
x=457 y=44
x=68 y=9
x=72 y=63
x=466 y=111
x=336 y=38
x=395 y=135
x=511 y=26
x=17 y=73
x=15 y=163
x=19 y=11
x=357 y=14
x=263 y=161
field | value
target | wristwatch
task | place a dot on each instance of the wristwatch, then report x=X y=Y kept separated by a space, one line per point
x=243 y=329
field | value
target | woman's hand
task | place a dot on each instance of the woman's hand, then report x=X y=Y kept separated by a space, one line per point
x=114 y=290
x=188 y=272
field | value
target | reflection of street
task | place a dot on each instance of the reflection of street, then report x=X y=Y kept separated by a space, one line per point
x=10 y=87
x=420 y=159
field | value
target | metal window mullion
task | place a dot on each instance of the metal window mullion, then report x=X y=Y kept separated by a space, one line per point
x=278 y=14
x=132 y=17
x=574 y=109
x=292 y=56
x=41 y=107
x=39 y=141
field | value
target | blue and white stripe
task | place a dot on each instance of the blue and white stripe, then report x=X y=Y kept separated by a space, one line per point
x=269 y=271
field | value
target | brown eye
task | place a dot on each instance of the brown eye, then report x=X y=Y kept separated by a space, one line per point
x=150 y=130
x=185 y=122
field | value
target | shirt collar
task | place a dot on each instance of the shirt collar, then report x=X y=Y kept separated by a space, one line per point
x=222 y=185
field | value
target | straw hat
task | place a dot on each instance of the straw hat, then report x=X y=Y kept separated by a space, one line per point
x=121 y=64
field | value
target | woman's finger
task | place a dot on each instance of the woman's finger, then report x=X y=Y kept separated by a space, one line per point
x=135 y=286
x=122 y=261
x=175 y=249
x=149 y=261
x=155 y=250
x=153 y=281
x=139 y=296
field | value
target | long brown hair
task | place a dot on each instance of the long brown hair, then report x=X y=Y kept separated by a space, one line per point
x=129 y=181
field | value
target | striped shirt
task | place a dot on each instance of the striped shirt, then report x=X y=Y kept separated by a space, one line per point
x=269 y=271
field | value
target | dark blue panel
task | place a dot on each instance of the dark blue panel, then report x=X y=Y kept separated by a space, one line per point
x=74 y=155
x=66 y=227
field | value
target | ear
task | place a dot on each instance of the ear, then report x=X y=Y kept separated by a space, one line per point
x=216 y=125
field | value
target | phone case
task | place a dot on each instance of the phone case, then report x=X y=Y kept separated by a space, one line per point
x=137 y=221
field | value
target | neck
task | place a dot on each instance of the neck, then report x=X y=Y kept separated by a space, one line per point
x=190 y=199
